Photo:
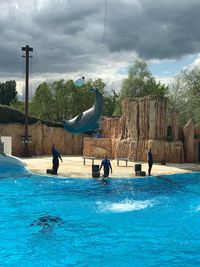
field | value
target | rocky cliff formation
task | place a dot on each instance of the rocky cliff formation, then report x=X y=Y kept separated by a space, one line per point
x=134 y=150
x=97 y=147
x=148 y=118
x=188 y=133
x=42 y=139
x=113 y=127
x=146 y=122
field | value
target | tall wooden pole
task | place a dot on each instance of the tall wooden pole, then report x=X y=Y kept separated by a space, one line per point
x=27 y=49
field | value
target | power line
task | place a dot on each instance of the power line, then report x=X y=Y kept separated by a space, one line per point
x=17 y=34
x=50 y=29
x=51 y=11
x=14 y=21
x=105 y=21
x=103 y=37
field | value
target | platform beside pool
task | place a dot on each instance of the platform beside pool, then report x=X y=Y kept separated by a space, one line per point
x=72 y=166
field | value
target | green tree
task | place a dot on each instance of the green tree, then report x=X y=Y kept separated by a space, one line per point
x=185 y=95
x=19 y=105
x=62 y=100
x=42 y=105
x=61 y=92
x=8 y=93
x=99 y=83
x=140 y=82
x=110 y=103
x=83 y=98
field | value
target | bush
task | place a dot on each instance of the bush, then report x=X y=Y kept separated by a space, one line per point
x=11 y=115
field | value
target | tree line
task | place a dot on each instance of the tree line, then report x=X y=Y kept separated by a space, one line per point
x=61 y=99
x=8 y=93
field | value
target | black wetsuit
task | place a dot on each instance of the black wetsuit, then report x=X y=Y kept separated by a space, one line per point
x=150 y=161
x=56 y=156
x=106 y=167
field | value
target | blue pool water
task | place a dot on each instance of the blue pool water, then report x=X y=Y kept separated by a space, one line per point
x=83 y=222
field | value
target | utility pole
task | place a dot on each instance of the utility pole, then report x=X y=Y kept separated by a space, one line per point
x=26 y=140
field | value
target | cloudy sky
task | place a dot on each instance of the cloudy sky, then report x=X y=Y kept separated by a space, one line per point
x=98 y=38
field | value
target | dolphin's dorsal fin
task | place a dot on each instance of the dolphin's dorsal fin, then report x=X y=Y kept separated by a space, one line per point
x=79 y=117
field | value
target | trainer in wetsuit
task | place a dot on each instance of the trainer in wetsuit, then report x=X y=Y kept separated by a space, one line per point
x=56 y=156
x=150 y=161
x=106 y=167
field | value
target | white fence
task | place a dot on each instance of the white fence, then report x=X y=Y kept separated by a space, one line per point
x=7 y=144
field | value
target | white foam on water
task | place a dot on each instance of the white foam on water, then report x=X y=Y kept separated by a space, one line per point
x=125 y=206
x=62 y=181
x=194 y=208
x=197 y=208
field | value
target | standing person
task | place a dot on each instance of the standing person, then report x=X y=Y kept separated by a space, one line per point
x=106 y=167
x=56 y=156
x=150 y=160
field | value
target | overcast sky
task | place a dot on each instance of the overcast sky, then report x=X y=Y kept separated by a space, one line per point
x=98 y=38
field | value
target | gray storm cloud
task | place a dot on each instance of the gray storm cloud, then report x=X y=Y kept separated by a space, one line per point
x=70 y=36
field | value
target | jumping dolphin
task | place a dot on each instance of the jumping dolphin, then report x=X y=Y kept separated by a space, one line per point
x=87 y=120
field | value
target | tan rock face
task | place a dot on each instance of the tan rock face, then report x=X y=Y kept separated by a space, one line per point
x=144 y=124
x=97 y=147
x=145 y=118
x=113 y=127
x=188 y=133
x=43 y=137
x=137 y=150
x=196 y=144
x=134 y=150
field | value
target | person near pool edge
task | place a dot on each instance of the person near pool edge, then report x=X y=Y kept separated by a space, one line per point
x=106 y=167
x=150 y=161
x=56 y=157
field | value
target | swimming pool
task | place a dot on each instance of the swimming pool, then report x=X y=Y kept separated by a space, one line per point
x=84 y=222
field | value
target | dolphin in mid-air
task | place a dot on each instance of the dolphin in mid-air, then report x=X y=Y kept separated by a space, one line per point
x=87 y=120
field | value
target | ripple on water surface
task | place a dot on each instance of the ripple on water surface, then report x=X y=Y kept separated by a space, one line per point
x=83 y=222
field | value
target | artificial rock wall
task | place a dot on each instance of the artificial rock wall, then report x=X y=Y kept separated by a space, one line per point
x=145 y=123
x=147 y=118
x=191 y=137
x=188 y=133
x=42 y=139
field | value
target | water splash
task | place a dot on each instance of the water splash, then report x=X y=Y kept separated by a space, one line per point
x=125 y=206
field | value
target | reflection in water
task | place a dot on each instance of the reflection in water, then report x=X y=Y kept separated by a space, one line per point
x=47 y=222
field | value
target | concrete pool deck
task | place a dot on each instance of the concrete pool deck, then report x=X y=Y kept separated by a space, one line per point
x=72 y=166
